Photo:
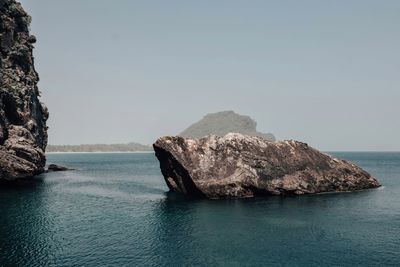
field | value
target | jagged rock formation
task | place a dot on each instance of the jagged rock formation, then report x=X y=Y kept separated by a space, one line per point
x=23 y=130
x=237 y=166
x=224 y=122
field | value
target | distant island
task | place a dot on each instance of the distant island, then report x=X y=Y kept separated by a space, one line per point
x=219 y=123
x=224 y=122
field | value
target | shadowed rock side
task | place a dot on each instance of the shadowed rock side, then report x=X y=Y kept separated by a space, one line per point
x=23 y=130
x=238 y=166
x=224 y=122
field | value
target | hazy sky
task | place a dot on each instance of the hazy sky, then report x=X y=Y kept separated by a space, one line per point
x=324 y=72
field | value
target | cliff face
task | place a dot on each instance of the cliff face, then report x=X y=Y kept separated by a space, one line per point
x=23 y=130
x=224 y=122
x=236 y=166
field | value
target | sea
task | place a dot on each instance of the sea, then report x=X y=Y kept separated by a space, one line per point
x=114 y=209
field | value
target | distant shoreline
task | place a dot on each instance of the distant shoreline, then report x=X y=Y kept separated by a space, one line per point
x=151 y=151
x=99 y=148
x=100 y=152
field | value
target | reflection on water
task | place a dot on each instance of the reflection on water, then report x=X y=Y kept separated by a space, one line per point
x=113 y=210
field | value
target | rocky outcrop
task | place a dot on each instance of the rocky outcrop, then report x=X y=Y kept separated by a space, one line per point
x=224 y=122
x=238 y=166
x=57 y=168
x=23 y=130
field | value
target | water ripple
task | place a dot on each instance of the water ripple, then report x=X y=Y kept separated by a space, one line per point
x=113 y=210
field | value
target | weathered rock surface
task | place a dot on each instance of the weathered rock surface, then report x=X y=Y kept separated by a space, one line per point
x=222 y=123
x=238 y=166
x=23 y=130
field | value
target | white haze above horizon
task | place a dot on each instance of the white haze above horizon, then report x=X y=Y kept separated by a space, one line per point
x=323 y=72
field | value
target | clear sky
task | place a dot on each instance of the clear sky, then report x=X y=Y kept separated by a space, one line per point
x=323 y=72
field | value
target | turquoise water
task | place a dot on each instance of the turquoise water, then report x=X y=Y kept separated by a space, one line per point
x=113 y=210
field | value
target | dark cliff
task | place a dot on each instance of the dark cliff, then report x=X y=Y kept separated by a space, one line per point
x=23 y=130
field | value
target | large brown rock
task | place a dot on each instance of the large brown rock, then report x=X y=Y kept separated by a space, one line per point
x=23 y=130
x=238 y=166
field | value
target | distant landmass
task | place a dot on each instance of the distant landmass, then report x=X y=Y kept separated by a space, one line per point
x=219 y=124
x=224 y=122
x=130 y=147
